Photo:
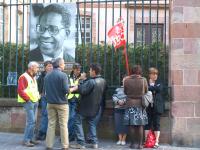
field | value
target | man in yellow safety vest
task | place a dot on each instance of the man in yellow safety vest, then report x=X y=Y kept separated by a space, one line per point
x=73 y=99
x=28 y=95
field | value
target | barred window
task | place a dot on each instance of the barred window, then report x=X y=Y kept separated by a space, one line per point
x=85 y=24
x=149 y=33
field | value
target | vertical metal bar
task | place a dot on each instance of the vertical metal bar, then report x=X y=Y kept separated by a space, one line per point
x=77 y=26
x=142 y=34
x=150 y=36
x=157 y=34
x=30 y=5
x=127 y=29
x=23 y=40
x=91 y=50
x=112 y=54
x=165 y=48
x=119 y=59
x=105 y=46
x=9 y=68
x=3 y=59
x=98 y=28
x=16 y=50
x=135 y=31
x=84 y=49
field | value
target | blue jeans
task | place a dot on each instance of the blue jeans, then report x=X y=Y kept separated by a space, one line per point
x=44 y=117
x=72 y=113
x=31 y=114
x=92 y=124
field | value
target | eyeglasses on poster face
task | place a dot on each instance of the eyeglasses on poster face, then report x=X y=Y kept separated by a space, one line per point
x=53 y=30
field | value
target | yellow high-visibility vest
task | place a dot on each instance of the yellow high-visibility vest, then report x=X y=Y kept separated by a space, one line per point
x=73 y=83
x=31 y=90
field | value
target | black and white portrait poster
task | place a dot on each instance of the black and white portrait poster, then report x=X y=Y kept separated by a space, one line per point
x=52 y=31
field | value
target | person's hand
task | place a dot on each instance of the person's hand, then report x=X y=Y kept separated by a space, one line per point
x=121 y=102
x=83 y=76
x=151 y=82
x=73 y=89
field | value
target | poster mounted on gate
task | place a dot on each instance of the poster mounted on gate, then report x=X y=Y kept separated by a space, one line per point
x=52 y=31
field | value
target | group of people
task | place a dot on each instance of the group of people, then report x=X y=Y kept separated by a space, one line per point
x=130 y=115
x=66 y=99
x=70 y=99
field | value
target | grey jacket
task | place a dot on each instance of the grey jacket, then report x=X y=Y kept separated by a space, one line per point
x=119 y=96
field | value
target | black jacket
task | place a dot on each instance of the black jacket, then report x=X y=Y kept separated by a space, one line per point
x=40 y=82
x=159 y=103
x=92 y=94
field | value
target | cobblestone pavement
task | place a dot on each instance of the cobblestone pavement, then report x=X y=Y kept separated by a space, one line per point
x=13 y=141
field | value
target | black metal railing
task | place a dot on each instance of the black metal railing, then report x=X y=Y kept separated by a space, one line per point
x=145 y=20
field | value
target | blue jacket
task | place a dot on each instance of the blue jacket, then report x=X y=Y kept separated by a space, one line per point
x=56 y=87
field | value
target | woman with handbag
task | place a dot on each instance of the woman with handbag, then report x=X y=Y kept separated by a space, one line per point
x=135 y=116
x=119 y=99
x=154 y=112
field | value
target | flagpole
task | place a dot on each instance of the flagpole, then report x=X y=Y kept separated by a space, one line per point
x=126 y=61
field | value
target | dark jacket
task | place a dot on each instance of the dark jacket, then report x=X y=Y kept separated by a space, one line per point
x=133 y=88
x=92 y=92
x=36 y=55
x=56 y=87
x=159 y=104
x=40 y=82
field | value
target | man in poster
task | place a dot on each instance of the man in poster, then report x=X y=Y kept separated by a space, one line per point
x=53 y=28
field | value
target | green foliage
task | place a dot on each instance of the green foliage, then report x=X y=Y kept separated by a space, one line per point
x=13 y=58
x=113 y=62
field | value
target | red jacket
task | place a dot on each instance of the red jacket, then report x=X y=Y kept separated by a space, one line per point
x=22 y=85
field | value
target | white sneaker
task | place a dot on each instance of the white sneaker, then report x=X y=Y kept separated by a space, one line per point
x=119 y=143
x=95 y=146
x=123 y=143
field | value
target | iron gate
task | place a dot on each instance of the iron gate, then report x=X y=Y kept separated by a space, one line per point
x=146 y=33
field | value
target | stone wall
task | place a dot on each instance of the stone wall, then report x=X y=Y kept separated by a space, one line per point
x=12 y=118
x=185 y=72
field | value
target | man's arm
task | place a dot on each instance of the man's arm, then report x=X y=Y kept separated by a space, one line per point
x=86 y=87
x=22 y=85
x=65 y=84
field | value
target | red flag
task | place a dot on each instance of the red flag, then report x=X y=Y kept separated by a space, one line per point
x=116 y=34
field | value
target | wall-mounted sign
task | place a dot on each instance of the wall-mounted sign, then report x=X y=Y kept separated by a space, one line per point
x=12 y=78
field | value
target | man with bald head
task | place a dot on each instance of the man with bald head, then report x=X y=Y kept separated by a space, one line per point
x=28 y=95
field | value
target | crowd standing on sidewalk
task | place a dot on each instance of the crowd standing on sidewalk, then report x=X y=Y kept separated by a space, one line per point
x=70 y=99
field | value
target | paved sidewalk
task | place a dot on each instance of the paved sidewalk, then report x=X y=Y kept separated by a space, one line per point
x=12 y=141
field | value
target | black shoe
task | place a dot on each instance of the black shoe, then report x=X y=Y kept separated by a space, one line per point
x=41 y=137
x=71 y=139
x=35 y=142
